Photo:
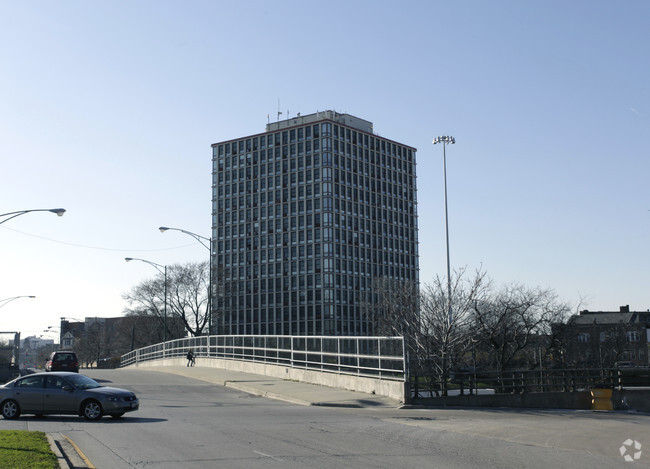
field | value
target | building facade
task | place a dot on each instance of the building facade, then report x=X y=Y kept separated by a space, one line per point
x=96 y=338
x=305 y=216
x=609 y=338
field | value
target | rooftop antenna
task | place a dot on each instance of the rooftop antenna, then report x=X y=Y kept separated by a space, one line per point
x=279 y=112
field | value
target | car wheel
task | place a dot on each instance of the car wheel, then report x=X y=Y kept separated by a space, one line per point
x=117 y=416
x=10 y=409
x=92 y=410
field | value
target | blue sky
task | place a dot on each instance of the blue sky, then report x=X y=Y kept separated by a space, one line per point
x=108 y=109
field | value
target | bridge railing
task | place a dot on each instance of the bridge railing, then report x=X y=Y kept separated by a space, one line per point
x=529 y=381
x=378 y=357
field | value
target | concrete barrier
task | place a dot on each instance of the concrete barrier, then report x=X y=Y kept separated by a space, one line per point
x=397 y=390
x=624 y=399
x=601 y=399
x=546 y=400
x=632 y=398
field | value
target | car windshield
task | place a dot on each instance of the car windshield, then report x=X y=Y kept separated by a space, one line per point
x=61 y=357
x=83 y=382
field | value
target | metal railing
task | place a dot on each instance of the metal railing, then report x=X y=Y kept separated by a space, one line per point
x=528 y=381
x=377 y=357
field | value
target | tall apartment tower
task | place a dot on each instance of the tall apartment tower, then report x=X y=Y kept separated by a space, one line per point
x=305 y=217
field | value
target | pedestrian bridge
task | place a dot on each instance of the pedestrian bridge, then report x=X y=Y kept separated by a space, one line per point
x=374 y=365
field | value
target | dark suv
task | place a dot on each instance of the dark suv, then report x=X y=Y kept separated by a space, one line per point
x=62 y=361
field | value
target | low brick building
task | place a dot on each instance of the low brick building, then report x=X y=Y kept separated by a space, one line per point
x=608 y=338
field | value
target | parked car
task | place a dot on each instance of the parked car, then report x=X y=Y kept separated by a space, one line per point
x=64 y=393
x=62 y=361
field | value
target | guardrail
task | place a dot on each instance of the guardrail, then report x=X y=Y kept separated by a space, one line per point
x=529 y=381
x=377 y=357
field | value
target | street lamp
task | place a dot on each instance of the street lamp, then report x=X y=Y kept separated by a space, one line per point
x=446 y=140
x=4 y=301
x=10 y=215
x=203 y=240
x=163 y=270
x=199 y=238
x=50 y=330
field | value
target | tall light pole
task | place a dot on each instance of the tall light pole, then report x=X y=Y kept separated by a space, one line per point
x=203 y=240
x=4 y=301
x=163 y=270
x=446 y=140
x=59 y=212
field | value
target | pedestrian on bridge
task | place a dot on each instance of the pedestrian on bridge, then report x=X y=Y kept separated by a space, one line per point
x=190 y=358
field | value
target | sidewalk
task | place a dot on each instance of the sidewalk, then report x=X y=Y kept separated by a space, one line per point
x=276 y=388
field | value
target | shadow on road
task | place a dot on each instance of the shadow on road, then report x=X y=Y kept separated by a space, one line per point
x=103 y=420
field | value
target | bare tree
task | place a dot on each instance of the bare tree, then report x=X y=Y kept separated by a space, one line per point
x=148 y=299
x=446 y=322
x=508 y=321
x=139 y=329
x=187 y=298
x=435 y=339
x=91 y=346
x=614 y=344
x=393 y=310
x=188 y=295
x=552 y=333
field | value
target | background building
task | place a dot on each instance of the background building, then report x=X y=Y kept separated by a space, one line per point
x=608 y=338
x=305 y=216
x=97 y=338
x=34 y=351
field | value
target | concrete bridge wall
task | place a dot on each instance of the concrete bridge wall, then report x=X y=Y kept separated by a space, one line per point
x=394 y=389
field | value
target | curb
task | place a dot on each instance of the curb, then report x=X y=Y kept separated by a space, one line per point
x=291 y=399
x=253 y=390
x=67 y=452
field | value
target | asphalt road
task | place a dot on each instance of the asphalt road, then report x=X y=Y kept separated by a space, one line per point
x=187 y=423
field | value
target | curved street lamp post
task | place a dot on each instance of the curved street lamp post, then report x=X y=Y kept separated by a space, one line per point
x=163 y=270
x=203 y=240
x=59 y=212
x=4 y=301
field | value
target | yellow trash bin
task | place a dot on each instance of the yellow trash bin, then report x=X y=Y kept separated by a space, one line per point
x=601 y=399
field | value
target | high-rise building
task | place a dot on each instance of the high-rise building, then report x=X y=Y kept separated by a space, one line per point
x=305 y=217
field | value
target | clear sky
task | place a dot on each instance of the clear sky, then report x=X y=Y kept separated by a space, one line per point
x=108 y=109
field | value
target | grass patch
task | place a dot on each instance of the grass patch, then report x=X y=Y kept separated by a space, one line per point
x=25 y=450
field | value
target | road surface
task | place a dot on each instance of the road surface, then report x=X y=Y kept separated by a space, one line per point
x=187 y=423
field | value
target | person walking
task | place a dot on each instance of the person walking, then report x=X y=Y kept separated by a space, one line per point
x=190 y=358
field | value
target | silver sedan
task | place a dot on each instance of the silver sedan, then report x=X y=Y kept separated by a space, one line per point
x=64 y=393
